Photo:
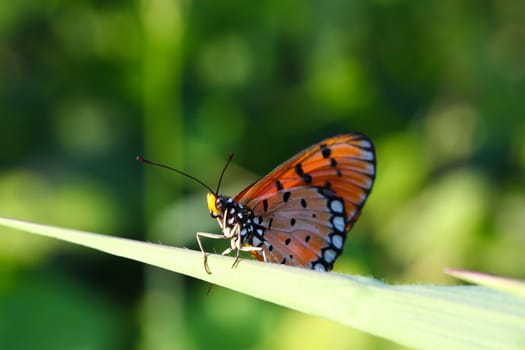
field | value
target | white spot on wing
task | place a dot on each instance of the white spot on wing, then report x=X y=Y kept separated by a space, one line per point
x=364 y=143
x=319 y=267
x=256 y=241
x=339 y=223
x=329 y=255
x=366 y=155
x=337 y=241
x=336 y=206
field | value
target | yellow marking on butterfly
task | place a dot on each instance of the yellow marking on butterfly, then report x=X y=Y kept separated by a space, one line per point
x=211 y=199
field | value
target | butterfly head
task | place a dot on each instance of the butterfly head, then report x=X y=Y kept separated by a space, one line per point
x=218 y=204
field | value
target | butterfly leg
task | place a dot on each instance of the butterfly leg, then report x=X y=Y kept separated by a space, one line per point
x=248 y=249
x=205 y=257
x=237 y=258
x=237 y=244
x=264 y=255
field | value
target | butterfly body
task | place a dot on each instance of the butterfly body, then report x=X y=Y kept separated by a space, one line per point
x=237 y=222
x=300 y=212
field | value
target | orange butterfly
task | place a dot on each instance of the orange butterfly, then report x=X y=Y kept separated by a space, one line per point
x=300 y=212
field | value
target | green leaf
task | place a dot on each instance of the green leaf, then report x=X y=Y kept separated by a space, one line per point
x=502 y=284
x=425 y=317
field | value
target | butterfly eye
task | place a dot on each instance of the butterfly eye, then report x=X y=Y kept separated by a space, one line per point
x=212 y=204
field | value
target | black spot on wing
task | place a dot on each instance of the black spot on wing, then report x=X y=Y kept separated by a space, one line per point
x=299 y=169
x=325 y=151
x=307 y=178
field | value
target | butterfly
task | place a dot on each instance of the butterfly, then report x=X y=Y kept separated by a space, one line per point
x=298 y=214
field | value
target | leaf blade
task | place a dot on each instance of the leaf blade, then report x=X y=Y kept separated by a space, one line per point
x=460 y=317
x=503 y=284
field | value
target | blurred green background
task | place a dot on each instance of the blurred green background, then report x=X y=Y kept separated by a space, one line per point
x=85 y=86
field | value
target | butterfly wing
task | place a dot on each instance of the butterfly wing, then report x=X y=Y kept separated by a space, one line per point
x=308 y=203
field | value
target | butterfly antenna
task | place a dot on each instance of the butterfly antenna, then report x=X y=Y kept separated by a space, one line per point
x=145 y=161
x=230 y=156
